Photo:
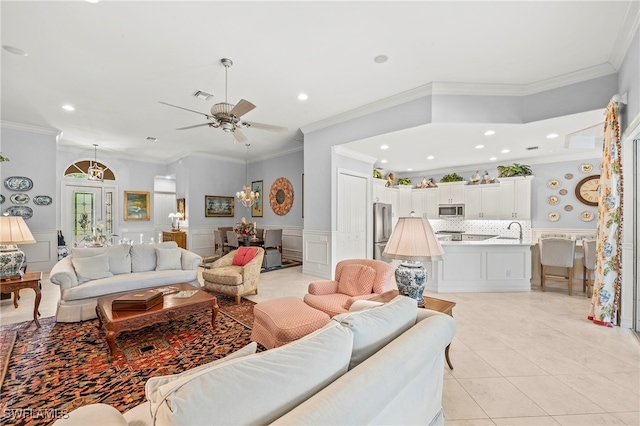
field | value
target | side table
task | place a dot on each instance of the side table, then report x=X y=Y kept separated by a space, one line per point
x=28 y=280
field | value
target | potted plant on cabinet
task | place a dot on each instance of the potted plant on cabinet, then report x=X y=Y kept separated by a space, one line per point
x=514 y=170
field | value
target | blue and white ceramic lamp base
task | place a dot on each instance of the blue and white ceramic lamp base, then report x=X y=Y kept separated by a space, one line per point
x=411 y=279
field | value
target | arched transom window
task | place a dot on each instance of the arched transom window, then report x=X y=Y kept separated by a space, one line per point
x=79 y=169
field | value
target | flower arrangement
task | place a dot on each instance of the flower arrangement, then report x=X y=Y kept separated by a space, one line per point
x=244 y=228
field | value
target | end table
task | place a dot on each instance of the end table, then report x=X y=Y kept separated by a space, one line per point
x=28 y=280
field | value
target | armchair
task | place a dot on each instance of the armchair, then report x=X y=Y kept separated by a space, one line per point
x=236 y=273
x=355 y=279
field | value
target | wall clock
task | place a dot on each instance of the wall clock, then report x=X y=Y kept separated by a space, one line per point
x=281 y=196
x=587 y=190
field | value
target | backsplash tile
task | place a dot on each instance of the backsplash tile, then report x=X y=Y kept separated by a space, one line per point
x=486 y=227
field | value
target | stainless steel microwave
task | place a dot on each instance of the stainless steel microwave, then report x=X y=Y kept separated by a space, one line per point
x=451 y=210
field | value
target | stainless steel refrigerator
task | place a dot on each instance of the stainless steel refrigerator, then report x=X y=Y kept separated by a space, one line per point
x=382 y=227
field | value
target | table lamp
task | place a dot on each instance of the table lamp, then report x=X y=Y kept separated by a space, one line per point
x=13 y=230
x=412 y=242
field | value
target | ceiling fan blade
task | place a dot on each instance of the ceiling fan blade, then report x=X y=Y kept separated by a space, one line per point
x=263 y=126
x=240 y=137
x=193 y=127
x=242 y=108
x=186 y=109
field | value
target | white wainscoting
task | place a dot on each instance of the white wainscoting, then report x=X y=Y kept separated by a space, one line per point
x=292 y=242
x=42 y=255
x=200 y=240
x=317 y=253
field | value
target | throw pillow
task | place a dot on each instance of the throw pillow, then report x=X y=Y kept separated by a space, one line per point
x=168 y=259
x=91 y=268
x=356 y=280
x=119 y=259
x=244 y=256
x=143 y=256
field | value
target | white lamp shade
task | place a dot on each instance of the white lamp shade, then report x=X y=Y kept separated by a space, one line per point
x=413 y=239
x=14 y=230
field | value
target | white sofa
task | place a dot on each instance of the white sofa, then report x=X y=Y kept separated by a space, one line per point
x=93 y=272
x=382 y=365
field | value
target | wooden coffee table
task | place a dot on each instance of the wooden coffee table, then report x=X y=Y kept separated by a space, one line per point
x=432 y=303
x=115 y=323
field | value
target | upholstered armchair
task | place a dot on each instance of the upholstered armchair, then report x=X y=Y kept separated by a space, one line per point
x=355 y=279
x=236 y=273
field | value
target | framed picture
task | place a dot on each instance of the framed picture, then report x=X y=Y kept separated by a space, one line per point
x=136 y=205
x=256 y=208
x=181 y=208
x=216 y=206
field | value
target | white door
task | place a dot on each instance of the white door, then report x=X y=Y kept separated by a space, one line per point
x=352 y=213
x=83 y=205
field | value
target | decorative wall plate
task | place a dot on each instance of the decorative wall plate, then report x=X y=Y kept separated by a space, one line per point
x=18 y=183
x=19 y=198
x=553 y=183
x=568 y=207
x=586 y=168
x=42 y=200
x=23 y=211
x=553 y=199
x=563 y=192
x=568 y=176
x=281 y=196
x=586 y=216
x=2 y=198
x=553 y=216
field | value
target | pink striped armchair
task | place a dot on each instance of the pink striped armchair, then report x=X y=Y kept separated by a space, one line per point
x=355 y=279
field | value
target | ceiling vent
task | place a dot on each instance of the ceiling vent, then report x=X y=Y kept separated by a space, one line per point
x=202 y=95
x=585 y=138
x=531 y=148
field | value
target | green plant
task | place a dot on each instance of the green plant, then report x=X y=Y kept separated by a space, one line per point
x=451 y=177
x=377 y=174
x=404 y=181
x=3 y=158
x=514 y=170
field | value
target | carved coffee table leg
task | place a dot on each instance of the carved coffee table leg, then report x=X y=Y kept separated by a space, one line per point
x=111 y=341
x=214 y=312
x=37 y=304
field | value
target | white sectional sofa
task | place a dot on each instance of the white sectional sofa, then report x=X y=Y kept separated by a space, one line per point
x=93 y=272
x=381 y=365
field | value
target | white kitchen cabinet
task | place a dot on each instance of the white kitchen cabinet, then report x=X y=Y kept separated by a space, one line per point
x=451 y=192
x=379 y=194
x=425 y=202
x=404 y=201
x=482 y=202
x=515 y=198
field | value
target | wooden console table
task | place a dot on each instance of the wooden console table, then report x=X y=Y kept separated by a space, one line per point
x=28 y=280
x=180 y=237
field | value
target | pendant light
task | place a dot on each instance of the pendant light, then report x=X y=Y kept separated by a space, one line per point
x=95 y=172
x=247 y=197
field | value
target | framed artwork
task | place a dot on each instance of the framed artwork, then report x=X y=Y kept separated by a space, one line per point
x=136 y=205
x=256 y=208
x=281 y=196
x=181 y=208
x=217 y=206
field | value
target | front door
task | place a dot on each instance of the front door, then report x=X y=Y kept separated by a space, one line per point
x=83 y=206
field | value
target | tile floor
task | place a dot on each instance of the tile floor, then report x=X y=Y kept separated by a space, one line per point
x=519 y=358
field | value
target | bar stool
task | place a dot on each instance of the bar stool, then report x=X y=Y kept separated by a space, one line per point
x=588 y=264
x=557 y=252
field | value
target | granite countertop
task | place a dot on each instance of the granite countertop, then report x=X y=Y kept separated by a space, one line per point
x=495 y=241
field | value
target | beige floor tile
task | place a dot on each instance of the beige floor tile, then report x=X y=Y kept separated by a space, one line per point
x=553 y=396
x=468 y=364
x=629 y=418
x=596 y=360
x=511 y=363
x=526 y=421
x=629 y=380
x=457 y=403
x=588 y=419
x=611 y=398
x=470 y=422
x=545 y=357
x=500 y=398
x=50 y=294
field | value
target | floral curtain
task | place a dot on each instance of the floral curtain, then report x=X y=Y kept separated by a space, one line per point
x=605 y=300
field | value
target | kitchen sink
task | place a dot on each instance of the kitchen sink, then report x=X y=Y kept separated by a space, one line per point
x=507 y=238
x=476 y=237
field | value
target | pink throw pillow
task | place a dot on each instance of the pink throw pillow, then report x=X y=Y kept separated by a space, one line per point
x=356 y=280
x=244 y=255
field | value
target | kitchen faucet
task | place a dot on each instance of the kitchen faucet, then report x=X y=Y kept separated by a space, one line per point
x=517 y=223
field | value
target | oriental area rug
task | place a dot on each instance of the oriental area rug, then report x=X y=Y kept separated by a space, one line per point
x=61 y=366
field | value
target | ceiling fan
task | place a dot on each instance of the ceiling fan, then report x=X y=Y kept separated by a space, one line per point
x=226 y=116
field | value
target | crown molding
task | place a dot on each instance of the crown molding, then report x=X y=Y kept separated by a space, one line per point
x=346 y=152
x=626 y=33
x=30 y=128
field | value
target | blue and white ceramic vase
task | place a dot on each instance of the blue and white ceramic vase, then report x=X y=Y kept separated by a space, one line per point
x=411 y=279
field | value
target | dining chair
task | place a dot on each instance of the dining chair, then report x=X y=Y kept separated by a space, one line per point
x=220 y=241
x=558 y=252
x=232 y=240
x=273 y=248
x=588 y=264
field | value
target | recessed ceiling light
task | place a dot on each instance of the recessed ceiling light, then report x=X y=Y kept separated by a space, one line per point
x=92 y=1
x=505 y=151
x=381 y=59
x=15 y=50
x=409 y=170
x=493 y=159
x=68 y=108
x=383 y=161
x=384 y=146
x=552 y=135
x=167 y=177
x=431 y=157
x=490 y=132
x=479 y=146
x=303 y=97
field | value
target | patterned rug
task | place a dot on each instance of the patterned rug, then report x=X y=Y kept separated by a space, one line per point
x=61 y=366
x=6 y=346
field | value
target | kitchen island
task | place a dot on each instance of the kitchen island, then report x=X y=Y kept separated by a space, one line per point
x=491 y=265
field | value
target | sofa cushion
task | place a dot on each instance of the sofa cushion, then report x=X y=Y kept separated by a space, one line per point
x=373 y=328
x=225 y=275
x=260 y=388
x=356 y=279
x=91 y=268
x=244 y=255
x=119 y=259
x=168 y=259
x=143 y=256
x=152 y=385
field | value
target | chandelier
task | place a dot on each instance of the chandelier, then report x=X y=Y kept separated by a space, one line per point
x=247 y=197
x=95 y=172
